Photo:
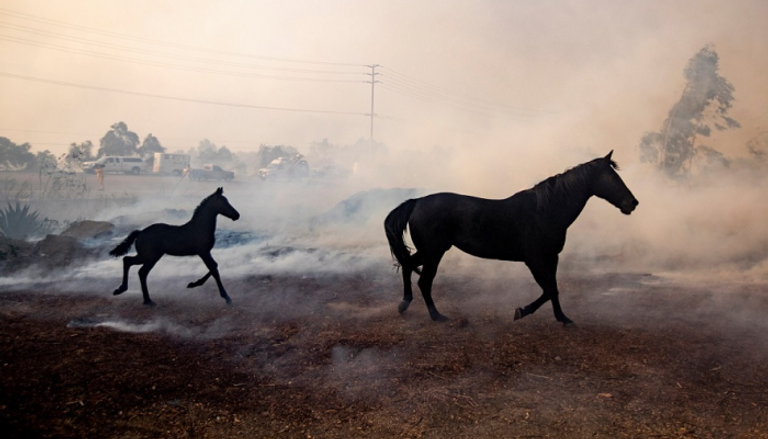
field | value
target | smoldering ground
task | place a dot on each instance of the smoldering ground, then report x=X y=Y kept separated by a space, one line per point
x=679 y=231
x=314 y=344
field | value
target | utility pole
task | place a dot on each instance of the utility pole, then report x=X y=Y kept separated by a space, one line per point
x=373 y=82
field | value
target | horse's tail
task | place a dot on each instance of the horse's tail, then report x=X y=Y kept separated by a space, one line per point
x=394 y=226
x=125 y=246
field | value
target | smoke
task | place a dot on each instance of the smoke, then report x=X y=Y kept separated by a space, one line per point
x=583 y=81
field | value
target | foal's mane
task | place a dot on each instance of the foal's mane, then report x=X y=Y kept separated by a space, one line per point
x=568 y=182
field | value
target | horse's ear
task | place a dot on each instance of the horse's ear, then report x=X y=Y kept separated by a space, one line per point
x=608 y=157
x=220 y=190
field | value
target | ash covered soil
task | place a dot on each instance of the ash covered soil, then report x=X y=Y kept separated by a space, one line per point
x=329 y=356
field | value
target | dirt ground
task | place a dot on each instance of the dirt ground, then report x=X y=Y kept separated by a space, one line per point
x=329 y=357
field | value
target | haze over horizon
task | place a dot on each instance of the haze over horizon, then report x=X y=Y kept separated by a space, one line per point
x=491 y=79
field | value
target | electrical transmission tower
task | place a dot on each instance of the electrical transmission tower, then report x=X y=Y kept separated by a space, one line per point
x=373 y=82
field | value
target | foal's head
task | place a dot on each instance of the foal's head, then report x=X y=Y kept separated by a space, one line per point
x=609 y=186
x=218 y=203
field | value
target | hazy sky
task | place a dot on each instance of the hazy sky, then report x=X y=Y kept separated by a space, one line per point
x=478 y=76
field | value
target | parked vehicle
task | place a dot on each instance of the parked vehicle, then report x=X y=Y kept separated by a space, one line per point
x=291 y=166
x=170 y=164
x=120 y=164
x=331 y=172
x=211 y=172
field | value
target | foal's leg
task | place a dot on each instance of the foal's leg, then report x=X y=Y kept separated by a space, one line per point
x=200 y=281
x=143 y=272
x=214 y=271
x=544 y=270
x=412 y=265
x=428 y=272
x=128 y=262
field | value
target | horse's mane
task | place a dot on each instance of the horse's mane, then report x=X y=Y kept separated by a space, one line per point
x=202 y=203
x=566 y=183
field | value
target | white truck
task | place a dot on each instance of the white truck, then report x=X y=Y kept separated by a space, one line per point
x=170 y=164
x=121 y=164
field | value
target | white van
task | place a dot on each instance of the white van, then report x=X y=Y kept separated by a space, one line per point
x=123 y=164
x=170 y=164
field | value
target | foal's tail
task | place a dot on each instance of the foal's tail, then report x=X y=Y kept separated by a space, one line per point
x=125 y=246
x=394 y=226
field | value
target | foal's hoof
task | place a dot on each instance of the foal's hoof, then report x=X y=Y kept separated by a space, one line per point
x=118 y=291
x=518 y=314
x=228 y=300
x=403 y=306
x=568 y=323
x=191 y=285
x=150 y=303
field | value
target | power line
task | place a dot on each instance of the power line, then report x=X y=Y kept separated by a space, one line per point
x=8 y=12
x=165 y=55
x=175 y=98
x=167 y=65
x=427 y=90
x=391 y=80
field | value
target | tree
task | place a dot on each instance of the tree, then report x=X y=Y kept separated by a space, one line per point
x=75 y=156
x=704 y=104
x=148 y=149
x=82 y=151
x=15 y=157
x=119 y=141
x=758 y=146
x=323 y=151
x=150 y=146
x=268 y=153
x=44 y=161
x=208 y=152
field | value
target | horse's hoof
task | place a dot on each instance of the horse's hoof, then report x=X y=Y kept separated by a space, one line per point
x=150 y=303
x=439 y=318
x=191 y=285
x=518 y=314
x=229 y=301
x=403 y=306
x=568 y=323
x=118 y=291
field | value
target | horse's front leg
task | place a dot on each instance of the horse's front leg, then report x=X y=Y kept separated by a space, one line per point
x=200 y=281
x=214 y=271
x=544 y=271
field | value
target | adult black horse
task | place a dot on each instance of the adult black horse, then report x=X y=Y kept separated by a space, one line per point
x=529 y=226
x=193 y=238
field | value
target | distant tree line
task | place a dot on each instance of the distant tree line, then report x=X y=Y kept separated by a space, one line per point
x=14 y=157
x=119 y=140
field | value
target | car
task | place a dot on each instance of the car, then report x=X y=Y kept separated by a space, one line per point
x=211 y=172
x=120 y=164
x=292 y=166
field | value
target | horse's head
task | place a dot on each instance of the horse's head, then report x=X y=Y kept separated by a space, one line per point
x=220 y=205
x=610 y=187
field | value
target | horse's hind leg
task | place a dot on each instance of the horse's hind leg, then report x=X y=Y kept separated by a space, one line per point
x=408 y=269
x=200 y=281
x=143 y=273
x=214 y=271
x=428 y=272
x=407 y=289
x=128 y=262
